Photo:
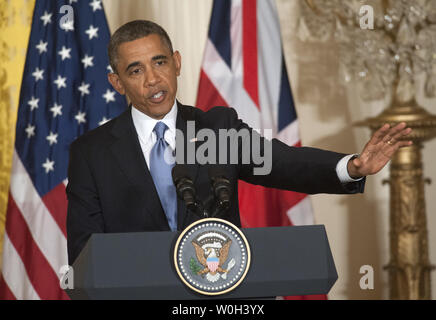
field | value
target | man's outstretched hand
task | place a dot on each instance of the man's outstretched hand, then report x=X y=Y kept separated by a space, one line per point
x=379 y=150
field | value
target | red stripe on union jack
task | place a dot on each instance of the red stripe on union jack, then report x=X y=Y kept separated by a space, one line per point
x=249 y=50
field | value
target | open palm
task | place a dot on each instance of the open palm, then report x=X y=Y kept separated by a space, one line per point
x=379 y=150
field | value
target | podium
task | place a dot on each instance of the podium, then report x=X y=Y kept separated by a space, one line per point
x=284 y=261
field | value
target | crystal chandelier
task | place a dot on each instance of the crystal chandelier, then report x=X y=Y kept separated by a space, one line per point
x=385 y=60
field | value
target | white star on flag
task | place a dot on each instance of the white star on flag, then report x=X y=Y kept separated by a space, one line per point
x=109 y=96
x=80 y=117
x=46 y=18
x=60 y=82
x=42 y=46
x=48 y=165
x=33 y=103
x=65 y=53
x=96 y=5
x=38 y=74
x=72 y=1
x=52 y=138
x=92 y=32
x=30 y=130
x=68 y=25
x=88 y=61
x=84 y=89
x=103 y=121
x=56 y=109
x=110 y=69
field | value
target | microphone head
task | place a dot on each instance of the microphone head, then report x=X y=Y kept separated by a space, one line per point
x=220 y=185
x=185 y=188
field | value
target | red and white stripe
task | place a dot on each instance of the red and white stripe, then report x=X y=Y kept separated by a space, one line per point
x=35 y=244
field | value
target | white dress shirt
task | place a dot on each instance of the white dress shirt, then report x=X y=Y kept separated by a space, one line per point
x=342 y=170
x=144 y=126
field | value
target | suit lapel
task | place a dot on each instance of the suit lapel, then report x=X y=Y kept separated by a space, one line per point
x=127 y=151
x=184 y=114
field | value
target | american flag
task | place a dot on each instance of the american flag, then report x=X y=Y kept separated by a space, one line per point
x=243 y=67
x=64 y=93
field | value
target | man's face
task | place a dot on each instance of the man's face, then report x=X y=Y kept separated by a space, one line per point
x=147 y=73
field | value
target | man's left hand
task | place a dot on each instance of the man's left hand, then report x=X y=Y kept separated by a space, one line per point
x=379 y=150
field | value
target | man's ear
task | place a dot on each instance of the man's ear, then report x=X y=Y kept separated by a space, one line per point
x=177 y=62
x=115 y=81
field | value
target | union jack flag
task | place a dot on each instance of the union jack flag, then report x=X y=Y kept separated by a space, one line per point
x=243 y=67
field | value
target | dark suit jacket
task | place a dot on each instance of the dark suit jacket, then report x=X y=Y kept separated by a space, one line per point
x=110 y=188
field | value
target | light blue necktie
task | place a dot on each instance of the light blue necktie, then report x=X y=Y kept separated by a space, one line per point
x=161 y=172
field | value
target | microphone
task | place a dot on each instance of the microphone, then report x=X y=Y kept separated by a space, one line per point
x=184 y=186
x=221 y=187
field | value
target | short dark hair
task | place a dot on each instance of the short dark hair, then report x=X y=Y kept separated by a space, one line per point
x=131 y=31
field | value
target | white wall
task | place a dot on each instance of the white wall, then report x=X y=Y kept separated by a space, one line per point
x=357 y=226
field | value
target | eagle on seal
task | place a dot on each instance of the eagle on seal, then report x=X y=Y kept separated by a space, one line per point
x=213 y=263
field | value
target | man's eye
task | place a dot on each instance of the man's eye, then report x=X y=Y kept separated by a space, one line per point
x=160 y=62
x=136 y=71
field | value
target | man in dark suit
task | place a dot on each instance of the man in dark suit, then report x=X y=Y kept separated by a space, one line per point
x=118 y=180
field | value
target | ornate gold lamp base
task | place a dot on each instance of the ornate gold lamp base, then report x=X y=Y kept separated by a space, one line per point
x=409 y=266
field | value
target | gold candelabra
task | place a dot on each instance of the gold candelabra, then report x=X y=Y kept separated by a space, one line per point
x=384 y=62
x=409 y=266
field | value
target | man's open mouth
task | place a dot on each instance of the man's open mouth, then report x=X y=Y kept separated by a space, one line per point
x=158 y=97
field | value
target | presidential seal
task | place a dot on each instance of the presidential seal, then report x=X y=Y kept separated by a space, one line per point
x=212 y=256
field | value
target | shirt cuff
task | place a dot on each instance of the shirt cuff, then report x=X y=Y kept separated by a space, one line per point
x=342 y=171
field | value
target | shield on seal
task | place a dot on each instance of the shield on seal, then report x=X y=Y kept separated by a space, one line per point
x=212 y=264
